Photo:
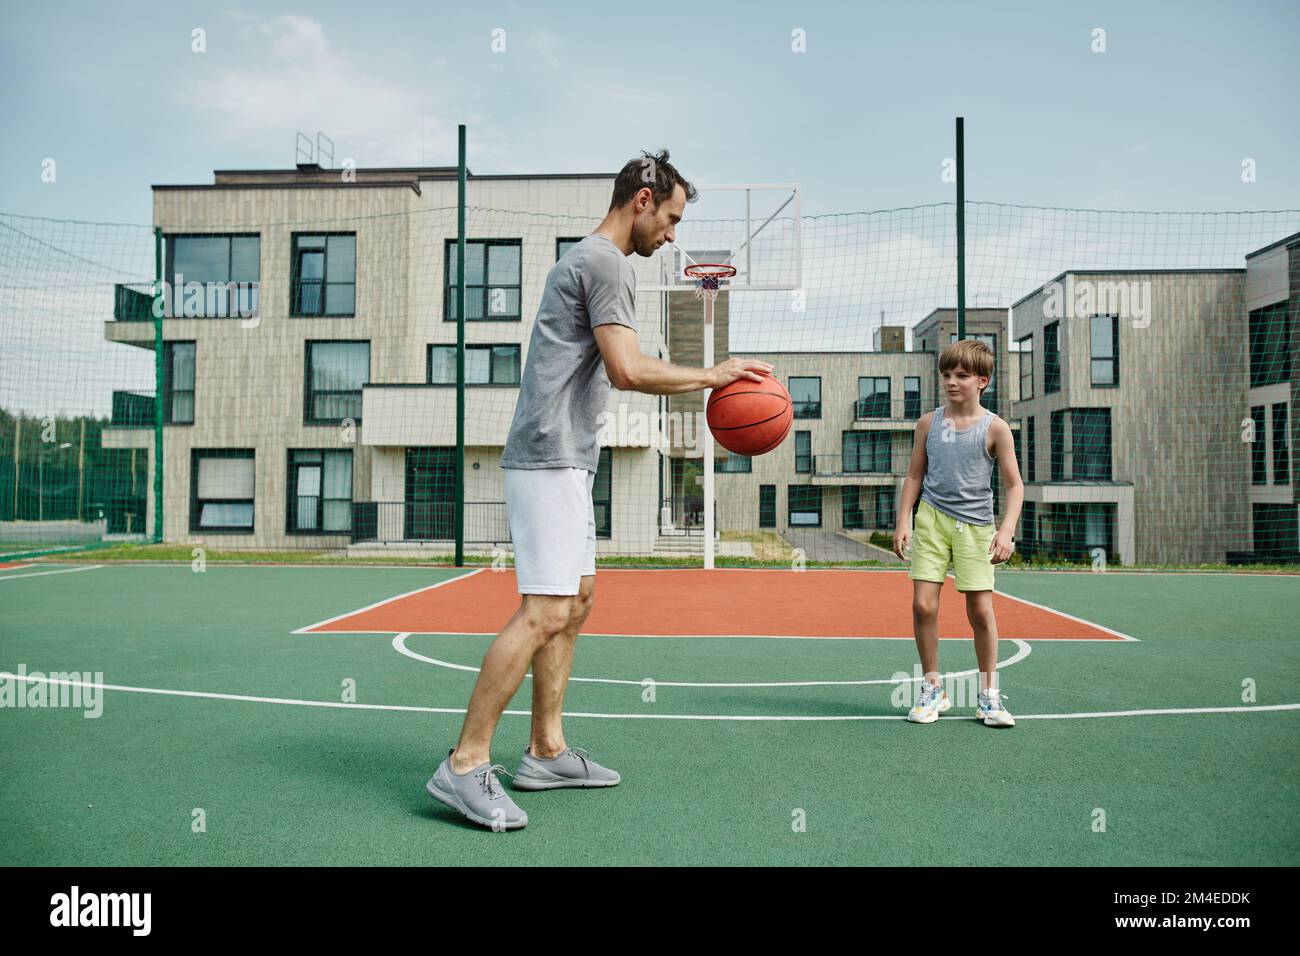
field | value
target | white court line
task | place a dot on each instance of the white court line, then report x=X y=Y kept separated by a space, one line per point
x=783 y=718
x=396 y=597
x=702 y=637
x=1077 y=620
x=41 y=574
x=399 y=644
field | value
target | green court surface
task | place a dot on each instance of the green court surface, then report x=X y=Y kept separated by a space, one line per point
x=282 y=780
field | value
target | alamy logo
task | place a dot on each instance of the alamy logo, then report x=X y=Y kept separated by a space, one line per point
x=210 y=300
x=102 y=909
x=1128 y=300
x=64 y=689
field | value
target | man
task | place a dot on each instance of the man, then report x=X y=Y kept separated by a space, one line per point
x=583 y=341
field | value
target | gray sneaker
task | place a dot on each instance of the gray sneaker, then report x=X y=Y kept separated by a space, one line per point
x=477 y=794
x=573 y=768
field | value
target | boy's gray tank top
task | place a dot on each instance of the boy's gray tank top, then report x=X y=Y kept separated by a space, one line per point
x=959 y=471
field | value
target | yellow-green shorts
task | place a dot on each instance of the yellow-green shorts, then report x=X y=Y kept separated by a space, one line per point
x=939 y=539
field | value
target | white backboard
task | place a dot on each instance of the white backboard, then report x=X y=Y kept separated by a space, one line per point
x=755 y=227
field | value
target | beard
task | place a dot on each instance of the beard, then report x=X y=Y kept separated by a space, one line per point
x=644 y=240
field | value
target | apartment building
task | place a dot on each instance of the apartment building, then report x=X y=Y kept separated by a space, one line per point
x=1272 y=307
x=330 y=418
x=1130 y=405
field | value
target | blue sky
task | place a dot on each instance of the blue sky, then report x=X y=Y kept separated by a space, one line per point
x=863 y=119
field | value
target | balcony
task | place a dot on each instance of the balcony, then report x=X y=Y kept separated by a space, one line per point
x=876 y=411
x=389 y=522
x=132 y=410
x=833 y=466
x=419 y=414
x=133 y=302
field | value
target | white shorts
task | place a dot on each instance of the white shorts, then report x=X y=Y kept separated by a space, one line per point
x=552 y=527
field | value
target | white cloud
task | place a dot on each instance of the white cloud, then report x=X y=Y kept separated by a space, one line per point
x=304 y=81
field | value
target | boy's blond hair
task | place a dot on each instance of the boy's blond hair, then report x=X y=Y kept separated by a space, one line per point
x=971 y=354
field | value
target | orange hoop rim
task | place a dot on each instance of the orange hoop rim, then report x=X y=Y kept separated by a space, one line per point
x=703 y=271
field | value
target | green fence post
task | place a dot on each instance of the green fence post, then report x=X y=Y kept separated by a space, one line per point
x=158 y=306
x=460 y=356
x=961 y=232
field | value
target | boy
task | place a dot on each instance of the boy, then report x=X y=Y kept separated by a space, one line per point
x=953 y=455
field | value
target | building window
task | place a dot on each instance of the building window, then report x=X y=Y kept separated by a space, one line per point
x=803 y=463
x=873 y=397
x=1091 y=444
x=1026 y=367
x=1028 y=529
x=492 y=280
x=911 y=396
x=733 y=464
x=767 y=506
x=601 y=492
x=1051 y=358
x=1031 y=449
x=221 y=489
x=1081 y=444
x=886 y=508
x=866 y=452
x=561 y=246
x=319 y=491
x=1073 y=531
x=1274 y=531
x=324 y=279
x=336 y=371
x=805 y=506
x=806 y=395
x=851 y=505
x=484 y=365
x=1258 y=447
x=178 y=383
x=1270 y=345
x=1281 y=454
x=1104 y=338
x=215 y=262
x=1058 y=444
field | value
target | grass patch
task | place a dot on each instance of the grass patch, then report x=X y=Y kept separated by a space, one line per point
x=770 y=551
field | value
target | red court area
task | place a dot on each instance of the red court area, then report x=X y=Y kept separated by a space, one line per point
x=722 y=602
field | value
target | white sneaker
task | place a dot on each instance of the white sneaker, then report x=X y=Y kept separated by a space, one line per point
x=992 y=711
x=934 y=701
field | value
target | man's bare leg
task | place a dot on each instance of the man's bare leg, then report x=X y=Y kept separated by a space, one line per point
x=540 y=618
x=551 y=667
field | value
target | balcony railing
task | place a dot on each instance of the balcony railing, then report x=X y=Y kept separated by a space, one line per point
x=392 y=521
x=834 y=466
x=871 y=408
x=132 y=410
x=133 y=302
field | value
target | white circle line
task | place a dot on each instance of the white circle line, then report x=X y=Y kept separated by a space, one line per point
x=1023 y=651
x=791 y=718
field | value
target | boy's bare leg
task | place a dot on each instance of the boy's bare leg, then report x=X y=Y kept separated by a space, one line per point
x=551 y=667
x=540 y=618
x=925 y=625
x=979 y=611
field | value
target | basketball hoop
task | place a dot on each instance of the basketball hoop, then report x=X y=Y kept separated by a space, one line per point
x=708 y=276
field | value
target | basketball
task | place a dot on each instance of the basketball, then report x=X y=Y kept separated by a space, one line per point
x=748 y=417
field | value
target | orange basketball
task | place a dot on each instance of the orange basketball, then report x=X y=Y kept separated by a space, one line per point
x=748 y=417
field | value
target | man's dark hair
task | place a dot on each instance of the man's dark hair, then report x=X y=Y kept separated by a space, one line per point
x=653 y=172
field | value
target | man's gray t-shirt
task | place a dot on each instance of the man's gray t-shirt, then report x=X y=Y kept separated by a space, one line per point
x=565 y=388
